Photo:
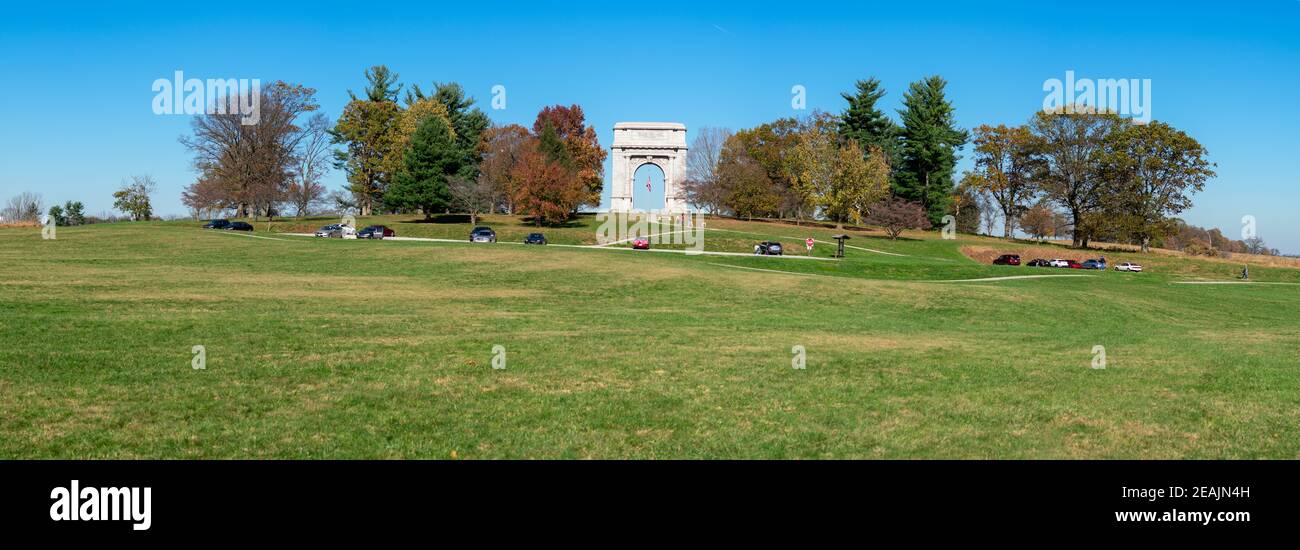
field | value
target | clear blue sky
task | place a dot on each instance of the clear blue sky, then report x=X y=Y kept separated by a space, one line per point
x=77 y=76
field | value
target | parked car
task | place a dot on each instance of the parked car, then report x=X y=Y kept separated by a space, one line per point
x=1126 y=266
x=217 y=224
x=1007 y=259
x=1039 y=262
x=1095 y=264
x=334 y=230
x=239 y=226
x=376 y=232
x=482 y=235
x=535 y=238
x=641 y=244
x=768 y=248
x=1073 y=264
x=1059 y=263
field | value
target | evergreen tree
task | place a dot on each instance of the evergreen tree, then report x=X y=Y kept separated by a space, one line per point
x=869 y=126
x=431 y=159
x=553 y=147
x=75 y=212
x=929 y=147
x=467 y=121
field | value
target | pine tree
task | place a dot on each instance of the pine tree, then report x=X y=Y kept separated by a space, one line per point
x=869 y=126
x=430 y=160
x=467 y=121
x=929 y=147
x=553 y=147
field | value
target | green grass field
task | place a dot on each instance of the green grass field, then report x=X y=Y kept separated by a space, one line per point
x=321 y=348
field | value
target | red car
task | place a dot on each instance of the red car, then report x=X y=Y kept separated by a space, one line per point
x=641 y=244
x=1074 y=264
x=1007 y=259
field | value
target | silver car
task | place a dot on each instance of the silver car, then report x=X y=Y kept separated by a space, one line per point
x=482 y=235
x=333 y=230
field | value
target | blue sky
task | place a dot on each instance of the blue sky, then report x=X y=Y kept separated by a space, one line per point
x=77 y=77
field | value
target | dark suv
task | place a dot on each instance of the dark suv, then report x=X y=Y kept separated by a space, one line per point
x=217 y=224
x=239 y=226
x=535 y=238
x=1007 y=259
x=376 y=232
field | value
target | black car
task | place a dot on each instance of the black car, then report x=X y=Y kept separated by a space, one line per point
x=217 y=224
x=239 y=226
x=376 y=232
x=535 y=238
x=482 y=235
x=1039 y=262
x=768 y=248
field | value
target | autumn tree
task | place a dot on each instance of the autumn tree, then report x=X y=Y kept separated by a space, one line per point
x=253 y=164
x=837 y=176
x=1069 y=150
x=748 y=190
x=501 y=149
x=861 y=181
x=1005 y=169
x=813 y=162
x=967 y=209
x=1040 y=221
x=132 y=198
x=582 y=151
x=371 y=131
x=930 y=140
x=1149 y=170
x=771 y=146
x=547 y=190
x=896 y=215
x=205 y=197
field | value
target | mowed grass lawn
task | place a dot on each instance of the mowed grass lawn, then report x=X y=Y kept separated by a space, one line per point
x=322 y=348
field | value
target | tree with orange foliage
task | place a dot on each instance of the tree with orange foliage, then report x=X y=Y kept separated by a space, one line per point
x=586 y=158
x=545 y=188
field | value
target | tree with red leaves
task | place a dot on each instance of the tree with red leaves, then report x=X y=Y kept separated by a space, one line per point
x=586 y=158
x=896 y=215
x=545 y=189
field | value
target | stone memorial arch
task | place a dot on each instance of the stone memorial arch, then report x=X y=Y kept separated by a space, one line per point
x=662 y=144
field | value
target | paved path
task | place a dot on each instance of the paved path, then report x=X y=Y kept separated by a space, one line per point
x=1232 y=283
x=595 y=247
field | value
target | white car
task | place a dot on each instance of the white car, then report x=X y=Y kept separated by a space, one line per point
x=1059 y=263
x=1126 y=266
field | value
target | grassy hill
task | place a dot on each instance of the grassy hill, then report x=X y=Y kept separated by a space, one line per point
x=322 y=348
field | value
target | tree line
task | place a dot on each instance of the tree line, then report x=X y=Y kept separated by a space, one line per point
x=858 y=166
x=1073 y=171
x=422 y=152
